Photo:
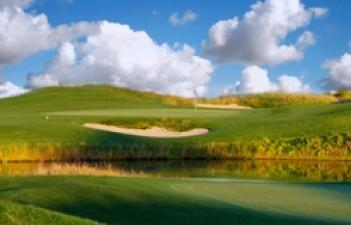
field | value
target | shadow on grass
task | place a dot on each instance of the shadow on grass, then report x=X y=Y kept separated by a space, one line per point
x=131 y=201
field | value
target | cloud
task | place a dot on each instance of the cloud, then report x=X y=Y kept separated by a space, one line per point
x=255 y=79
x=120 y=56
x=111 y=54
x=287 y=83
x=23 y=34
x=306 y=39
x=8 y=89
x=258 y=38
x=177 y=20
x=15 y=3
x=318 y=11
x=339 y=73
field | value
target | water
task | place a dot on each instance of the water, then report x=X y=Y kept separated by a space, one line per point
x=331 y=171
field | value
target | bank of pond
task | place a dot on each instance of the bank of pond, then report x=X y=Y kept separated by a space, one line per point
x=280 y=170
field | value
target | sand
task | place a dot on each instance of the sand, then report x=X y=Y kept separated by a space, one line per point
x=155 y=132
x=229 y=106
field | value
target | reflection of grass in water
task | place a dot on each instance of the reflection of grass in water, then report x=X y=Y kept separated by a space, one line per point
x=290 y=170
x=67 y=169
x=263 y=169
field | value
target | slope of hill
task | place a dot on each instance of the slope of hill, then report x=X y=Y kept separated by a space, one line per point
x=47 y=124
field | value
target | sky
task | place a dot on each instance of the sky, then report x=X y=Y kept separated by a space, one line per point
x=183 y=47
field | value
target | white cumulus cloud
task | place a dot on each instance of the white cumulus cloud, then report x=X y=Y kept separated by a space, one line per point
x=8 y=89
x=319 y=11
x=112 y=53
x=339 y=73
x=287 y=83
x=15 y=3
x=306 y=39
x=258 y=38
x=180 y=20
x=120 y=56
x=23 y=34
x=255 y=79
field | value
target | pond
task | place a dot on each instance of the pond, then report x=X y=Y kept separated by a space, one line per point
x=287 y=170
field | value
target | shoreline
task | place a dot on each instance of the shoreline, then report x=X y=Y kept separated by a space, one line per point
x=97 y=160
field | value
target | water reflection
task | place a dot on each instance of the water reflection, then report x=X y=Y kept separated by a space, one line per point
x=262 y=169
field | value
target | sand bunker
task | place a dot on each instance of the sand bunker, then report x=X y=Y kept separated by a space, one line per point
x=155 y=132
x=229 y=106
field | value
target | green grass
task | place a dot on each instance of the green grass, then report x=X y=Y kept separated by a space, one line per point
x=146 y=201
x=17 y=214
x=47 y=124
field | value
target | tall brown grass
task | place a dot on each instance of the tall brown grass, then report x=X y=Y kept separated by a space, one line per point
x=67 y=169
x=326 y=147
x=268 y=100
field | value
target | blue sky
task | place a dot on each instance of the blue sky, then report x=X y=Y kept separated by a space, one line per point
x=332 y=33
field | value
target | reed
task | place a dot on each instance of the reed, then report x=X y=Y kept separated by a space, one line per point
x=325 y=147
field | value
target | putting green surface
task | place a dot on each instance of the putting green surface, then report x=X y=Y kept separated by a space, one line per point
x=186 y=201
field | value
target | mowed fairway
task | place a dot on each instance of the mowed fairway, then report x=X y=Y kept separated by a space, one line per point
x=169 y=201
x=238 y=124
x=57 y=115
x=45 y=123
x=51 y=120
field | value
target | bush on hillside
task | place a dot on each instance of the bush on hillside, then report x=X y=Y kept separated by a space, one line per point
x=344 y=94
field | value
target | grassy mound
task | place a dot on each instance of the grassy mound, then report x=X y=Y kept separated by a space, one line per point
x=87 y=97
x=17 y=214
x=270 y=100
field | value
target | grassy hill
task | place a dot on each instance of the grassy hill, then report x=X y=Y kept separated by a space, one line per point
x=86 y=97
x=47 y=124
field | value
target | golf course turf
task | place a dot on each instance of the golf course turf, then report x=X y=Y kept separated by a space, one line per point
x=47 y=124
x=172 y=201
